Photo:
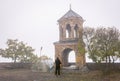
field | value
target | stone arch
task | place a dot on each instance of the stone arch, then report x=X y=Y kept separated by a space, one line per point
x=65 y=56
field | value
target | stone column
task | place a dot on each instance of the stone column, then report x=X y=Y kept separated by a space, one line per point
x=72 y=31
x=64 y=33
x=60 y=33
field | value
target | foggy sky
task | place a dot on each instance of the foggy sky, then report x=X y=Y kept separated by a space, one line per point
x=35 y=21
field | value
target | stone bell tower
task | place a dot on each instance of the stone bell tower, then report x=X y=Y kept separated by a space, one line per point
x=70 y=33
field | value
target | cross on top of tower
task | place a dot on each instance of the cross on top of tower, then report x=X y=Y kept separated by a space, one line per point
x=69 y=14
x=70 y=6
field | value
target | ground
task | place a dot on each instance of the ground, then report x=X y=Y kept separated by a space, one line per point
x=28 y=75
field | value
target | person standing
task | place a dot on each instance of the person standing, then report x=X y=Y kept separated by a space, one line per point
x=57 y=66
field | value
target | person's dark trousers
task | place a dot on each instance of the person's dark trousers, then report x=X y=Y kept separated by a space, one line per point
x=57 y=70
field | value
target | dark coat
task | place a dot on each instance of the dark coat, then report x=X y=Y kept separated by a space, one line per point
x=57 y=62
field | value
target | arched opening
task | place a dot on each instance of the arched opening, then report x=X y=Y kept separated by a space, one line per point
x=71 y=57
x=68 y=31
x=76 y=31
x=68 y=57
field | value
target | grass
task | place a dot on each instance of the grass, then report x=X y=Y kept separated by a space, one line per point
x=28 y=75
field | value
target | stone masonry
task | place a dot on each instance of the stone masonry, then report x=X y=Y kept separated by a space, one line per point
x=70 y=32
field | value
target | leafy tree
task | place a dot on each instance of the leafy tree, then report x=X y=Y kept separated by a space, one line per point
x=102 y=44
x=118 y=47
x=81 y=47
x=18 y=51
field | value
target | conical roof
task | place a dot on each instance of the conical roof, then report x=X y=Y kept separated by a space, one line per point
x=69 y=14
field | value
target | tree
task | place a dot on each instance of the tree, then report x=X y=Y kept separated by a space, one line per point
x=102 y=43
x=18 y=51
x=88 y=34
x=118 y=47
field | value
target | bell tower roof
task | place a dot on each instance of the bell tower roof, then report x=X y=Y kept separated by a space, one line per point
x=70 y=14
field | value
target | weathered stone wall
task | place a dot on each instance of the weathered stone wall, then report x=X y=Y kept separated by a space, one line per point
x=62 y=51
x=95 y=66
